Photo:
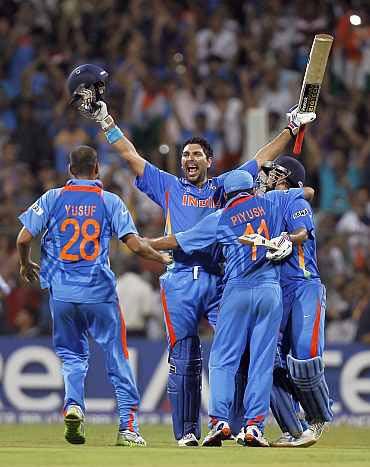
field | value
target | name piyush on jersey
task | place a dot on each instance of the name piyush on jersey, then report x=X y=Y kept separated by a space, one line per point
x=246 y=216
x=80 y=210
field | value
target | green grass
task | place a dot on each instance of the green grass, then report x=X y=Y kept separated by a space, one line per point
x=43 y=445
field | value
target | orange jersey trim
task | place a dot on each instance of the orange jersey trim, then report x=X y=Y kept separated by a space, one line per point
x=316 y=331
x=170 y=330
x=123 y=333
x=86 y=188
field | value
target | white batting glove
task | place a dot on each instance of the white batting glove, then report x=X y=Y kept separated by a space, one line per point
x=102 y=116
x=284 y=246
x=297 y=119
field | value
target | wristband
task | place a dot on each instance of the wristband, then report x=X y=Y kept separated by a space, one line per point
x=113 y=135
x=290 y=131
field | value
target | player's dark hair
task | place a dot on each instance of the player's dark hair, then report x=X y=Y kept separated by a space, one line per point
x=203 y=143
x=83 y=160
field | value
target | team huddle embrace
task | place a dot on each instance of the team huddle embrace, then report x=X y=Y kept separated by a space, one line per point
x=243 y=255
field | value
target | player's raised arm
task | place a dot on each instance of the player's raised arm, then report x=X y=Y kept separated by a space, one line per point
x=274 y=148
x=118 y=140
x=140 y=246
x=86 y=86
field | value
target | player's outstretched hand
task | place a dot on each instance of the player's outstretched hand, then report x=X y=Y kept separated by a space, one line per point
x=284 y=245
x=297 y=119
x=30 y=272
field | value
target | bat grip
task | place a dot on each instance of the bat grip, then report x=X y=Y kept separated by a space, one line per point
x=299 y=140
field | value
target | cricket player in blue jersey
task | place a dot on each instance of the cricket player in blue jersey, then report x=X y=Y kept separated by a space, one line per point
x=299 y=368
x=191 y=288
x=78 y=221
x=250 y=309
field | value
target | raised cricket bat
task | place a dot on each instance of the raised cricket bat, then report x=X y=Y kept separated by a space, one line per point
x=312 y=81
x=257 y=240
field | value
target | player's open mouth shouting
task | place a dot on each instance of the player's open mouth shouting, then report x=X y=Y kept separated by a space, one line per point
x=192 y=170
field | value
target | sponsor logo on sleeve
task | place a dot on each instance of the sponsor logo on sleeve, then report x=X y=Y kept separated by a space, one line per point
x=37 y=209
x=301 y=213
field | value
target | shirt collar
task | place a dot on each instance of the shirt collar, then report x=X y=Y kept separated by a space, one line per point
x=186 y=182
x=83 y=182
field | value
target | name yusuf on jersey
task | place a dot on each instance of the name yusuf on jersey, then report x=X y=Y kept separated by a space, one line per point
x=80 y=210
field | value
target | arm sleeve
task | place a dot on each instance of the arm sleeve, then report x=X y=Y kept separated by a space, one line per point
x=299 y=215
x=154 y=183
x=203 y=234
x=122 y=223
x=36 y=217
x=249 y=166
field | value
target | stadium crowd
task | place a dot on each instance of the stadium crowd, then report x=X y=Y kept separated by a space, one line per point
x=179 y=68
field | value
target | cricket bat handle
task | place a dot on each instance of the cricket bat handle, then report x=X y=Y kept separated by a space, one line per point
x=299 y=140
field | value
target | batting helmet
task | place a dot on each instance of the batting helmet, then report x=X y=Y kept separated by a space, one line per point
x=238 y=180
x=85 y=76
x=285 y=167
x=297 y=173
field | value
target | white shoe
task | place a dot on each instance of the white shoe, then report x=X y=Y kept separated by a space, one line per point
x=74 y=425
x=130 y=438
x=286 y=440
x=240 y=438
x=254 y=437
x=188 y=440
x=220 y=432
x=317 y=429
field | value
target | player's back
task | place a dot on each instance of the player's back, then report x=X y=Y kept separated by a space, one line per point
x=262 y=214
x=80 y=219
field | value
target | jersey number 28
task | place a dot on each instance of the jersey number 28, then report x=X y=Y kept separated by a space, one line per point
x=78 y=232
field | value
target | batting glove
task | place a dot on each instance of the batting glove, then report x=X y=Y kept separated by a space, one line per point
x=102 y=116
x=296 y=119
x=284 y=245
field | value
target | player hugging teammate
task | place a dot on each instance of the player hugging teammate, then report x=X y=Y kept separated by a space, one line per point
x=221 y=209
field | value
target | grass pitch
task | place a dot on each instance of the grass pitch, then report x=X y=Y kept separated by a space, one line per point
x=44 y=446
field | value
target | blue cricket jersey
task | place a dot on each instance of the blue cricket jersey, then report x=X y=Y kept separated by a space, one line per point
x=184 y=205
x=301 y=265
x=245 y=214
x=80 y=219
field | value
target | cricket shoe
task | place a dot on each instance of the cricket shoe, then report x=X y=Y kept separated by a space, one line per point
x=188 y=440
x=130 y=438
x=253 y=437
x=286 y=440
x=74 y=425
x=220 y=431
x=317 y=429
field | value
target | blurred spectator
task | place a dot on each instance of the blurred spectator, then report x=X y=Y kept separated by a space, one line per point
x=25 y=323
x=138 y=302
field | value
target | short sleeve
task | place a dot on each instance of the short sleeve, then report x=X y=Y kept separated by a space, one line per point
x=203 y=234
x=154 y=183
x=36 y=217
x=299 y=216
x=122 y=223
